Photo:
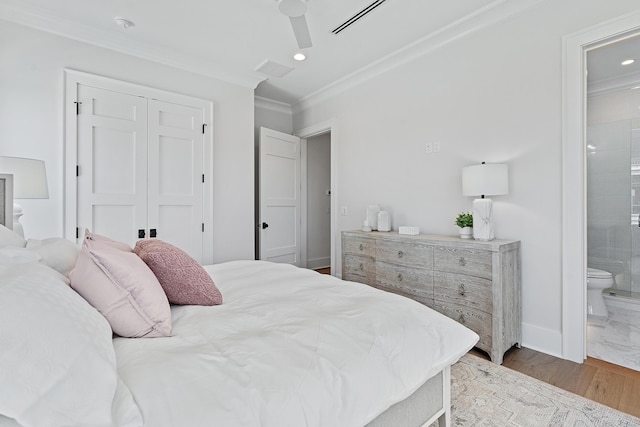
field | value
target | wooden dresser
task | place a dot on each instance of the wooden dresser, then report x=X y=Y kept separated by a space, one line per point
x=475 y=283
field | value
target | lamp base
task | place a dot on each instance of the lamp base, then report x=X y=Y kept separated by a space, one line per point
x=483 y=219
x=17 y=213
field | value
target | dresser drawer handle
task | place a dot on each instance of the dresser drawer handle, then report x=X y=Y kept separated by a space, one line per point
x=462 y=261
x=400 y=277
x=461 y=319
x=400 y=254
x=361 y=247
x=461 y=290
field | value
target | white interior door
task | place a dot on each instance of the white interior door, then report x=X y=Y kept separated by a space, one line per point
x=280 y=194
x=141 y=164
x=112 y=152
x=176 y=164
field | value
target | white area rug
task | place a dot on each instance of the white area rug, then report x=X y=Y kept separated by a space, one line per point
x=486 y=394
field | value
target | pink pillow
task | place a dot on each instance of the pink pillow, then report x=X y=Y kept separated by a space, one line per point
x=117 y=283
x=182 y=278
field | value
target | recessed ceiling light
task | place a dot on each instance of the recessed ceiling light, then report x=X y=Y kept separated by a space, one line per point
x=299 y=56
x=628 y=62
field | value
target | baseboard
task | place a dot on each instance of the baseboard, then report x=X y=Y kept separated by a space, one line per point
x=541 y=339
x=316 y=263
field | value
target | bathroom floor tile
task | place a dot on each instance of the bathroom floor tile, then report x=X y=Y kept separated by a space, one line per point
x=616 y=339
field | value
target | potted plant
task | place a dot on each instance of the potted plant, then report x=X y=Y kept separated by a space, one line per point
x=465 y=222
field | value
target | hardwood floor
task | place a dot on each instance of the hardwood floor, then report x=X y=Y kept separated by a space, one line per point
x=326 y=270
x=611 y=385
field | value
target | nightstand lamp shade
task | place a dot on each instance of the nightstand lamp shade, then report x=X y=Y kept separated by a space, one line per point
x=29 y=182
x=484 y=180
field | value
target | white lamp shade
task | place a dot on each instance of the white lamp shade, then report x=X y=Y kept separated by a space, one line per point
x=29 y=177
x=485 y=180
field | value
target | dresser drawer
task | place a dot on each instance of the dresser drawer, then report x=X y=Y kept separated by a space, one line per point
x=359 y=269
x=405 y=253
x=359 y=246
x=463 y=290
x=466 y=261
x=476 y=320
x=415 y=283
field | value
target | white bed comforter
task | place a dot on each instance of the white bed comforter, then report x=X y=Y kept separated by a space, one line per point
x=288 y=347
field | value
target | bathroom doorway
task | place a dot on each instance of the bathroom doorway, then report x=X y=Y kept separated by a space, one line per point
x=613 y=200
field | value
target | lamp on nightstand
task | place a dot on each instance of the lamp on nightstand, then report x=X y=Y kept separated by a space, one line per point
x=484 y=180
x=29 y=182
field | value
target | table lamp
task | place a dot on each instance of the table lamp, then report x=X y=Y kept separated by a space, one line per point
x=484 y=180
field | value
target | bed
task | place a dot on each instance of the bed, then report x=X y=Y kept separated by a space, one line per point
x=287 y=347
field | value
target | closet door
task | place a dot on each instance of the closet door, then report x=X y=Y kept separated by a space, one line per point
x=112 y=166
x=176 y=147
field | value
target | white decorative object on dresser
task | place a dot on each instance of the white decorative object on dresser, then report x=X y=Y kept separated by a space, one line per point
x=476 y=283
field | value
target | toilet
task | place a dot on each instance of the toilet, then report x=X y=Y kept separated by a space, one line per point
x=597 y=281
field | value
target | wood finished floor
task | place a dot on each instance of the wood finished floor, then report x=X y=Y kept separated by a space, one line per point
x=606 y=383
x=603 y=382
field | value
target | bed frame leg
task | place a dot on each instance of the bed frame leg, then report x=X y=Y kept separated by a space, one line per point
x=445 y=418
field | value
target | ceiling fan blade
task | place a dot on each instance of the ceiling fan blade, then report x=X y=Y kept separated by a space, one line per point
x=301 y=31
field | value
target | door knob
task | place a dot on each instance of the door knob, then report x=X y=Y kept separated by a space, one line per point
x=264 y=225
x=153 y=232
x=141 y=233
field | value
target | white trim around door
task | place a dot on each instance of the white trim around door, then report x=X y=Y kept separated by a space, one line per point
x=308 y=132
x=574 y=213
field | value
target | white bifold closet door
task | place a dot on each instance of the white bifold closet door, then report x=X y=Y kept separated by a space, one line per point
x=140 y=166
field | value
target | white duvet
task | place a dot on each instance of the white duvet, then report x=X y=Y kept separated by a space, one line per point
x=288 y=347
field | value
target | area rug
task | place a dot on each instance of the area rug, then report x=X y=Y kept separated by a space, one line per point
x=486 y=394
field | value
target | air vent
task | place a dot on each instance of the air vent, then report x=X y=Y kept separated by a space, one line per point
x=358 y=16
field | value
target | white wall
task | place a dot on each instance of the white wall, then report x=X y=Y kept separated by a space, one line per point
x=494 y=95
x=318 y=202
x=31 y=125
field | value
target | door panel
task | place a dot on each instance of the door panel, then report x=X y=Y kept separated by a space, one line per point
x=112 y=181
x=176 y=146
x=279 y=197
x=141 y=167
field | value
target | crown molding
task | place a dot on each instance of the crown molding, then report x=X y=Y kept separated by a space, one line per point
x=43 y=20
x=492 y=13
x=614 y=84
x=272 y=105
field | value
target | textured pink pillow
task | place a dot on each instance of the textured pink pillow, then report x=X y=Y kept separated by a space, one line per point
x=117 y=283
x=182 y=278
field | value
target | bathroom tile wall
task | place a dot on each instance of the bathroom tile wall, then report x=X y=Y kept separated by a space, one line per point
x=613 y=185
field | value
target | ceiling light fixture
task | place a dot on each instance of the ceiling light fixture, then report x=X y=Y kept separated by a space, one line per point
x=123 y=23
x=628 y=62
x=299 y=56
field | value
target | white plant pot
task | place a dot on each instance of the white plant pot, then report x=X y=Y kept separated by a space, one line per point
x=466 y=232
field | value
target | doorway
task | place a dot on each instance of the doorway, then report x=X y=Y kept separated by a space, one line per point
x=318 y=201
x=314 y=229
x=574 y=205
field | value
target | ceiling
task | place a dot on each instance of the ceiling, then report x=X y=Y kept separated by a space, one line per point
x=604 y=64
x=229 y=39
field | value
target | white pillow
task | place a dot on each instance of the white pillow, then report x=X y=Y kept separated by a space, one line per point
x=56 y=353
x=14 y=255
x=10 y=238
x=58 y=253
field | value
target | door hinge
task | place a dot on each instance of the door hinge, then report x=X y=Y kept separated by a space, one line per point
x=77 y=233
x=203 y=227
x=202 y=177
x=77 y=170
x=77 y=107
x=203 y=125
